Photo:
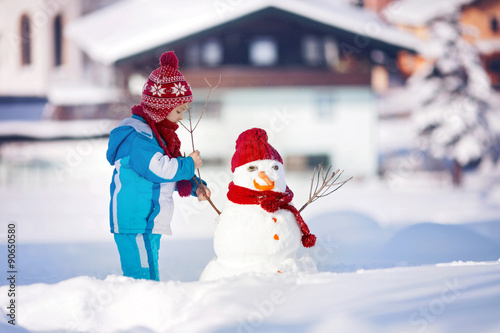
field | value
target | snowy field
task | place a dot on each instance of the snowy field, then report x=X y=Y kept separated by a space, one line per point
x=409 y=255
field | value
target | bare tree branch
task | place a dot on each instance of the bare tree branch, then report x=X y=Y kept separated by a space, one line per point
x=323 y=183
x=191 y=130
x=211 y=88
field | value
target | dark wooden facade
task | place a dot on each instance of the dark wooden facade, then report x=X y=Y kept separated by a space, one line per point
x=306 y=52
x=484 y=15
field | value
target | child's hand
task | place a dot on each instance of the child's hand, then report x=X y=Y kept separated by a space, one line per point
x=195 y=155
x=203 y=192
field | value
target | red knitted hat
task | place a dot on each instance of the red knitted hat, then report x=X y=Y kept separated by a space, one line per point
x=165 y=89
x=252 y=145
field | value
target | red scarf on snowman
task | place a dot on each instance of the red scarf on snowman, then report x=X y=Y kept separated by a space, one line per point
x=271 y=201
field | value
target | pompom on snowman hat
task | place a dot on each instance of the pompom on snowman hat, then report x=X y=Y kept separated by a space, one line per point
x=165 y=89
x=252 y=145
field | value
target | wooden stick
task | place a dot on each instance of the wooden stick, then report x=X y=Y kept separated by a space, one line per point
x=328 y=181
x=208 y=199
x=191 y=131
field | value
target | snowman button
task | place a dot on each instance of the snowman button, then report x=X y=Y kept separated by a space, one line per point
x=275 y=219
x=276 y=237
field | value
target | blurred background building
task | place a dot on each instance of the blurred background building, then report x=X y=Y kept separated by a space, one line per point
x=321 y=76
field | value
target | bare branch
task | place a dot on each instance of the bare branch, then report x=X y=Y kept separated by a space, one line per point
x=191 y=130
x=318 y=176
x=324 y=187
x=335 y=189
x=187 y=129
x=312 y=183
x=202 y=186
x=208 y=97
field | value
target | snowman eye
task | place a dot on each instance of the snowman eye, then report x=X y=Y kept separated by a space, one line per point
x=276 y=167
x=252 y=168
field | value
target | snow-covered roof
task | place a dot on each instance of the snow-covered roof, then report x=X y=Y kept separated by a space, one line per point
x=56 y=129
x=488 y=46
x=420 y=12
x=130 y=27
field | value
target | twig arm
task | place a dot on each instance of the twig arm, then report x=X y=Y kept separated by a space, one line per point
x=322 y=182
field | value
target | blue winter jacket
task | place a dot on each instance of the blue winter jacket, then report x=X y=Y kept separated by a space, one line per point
x=143 y=180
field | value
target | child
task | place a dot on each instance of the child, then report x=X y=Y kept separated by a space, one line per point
x=145 y=151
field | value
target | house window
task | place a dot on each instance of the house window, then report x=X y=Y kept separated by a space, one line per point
x=494 y=24
x=136 y=84
x=212 y=53
x=263 y=51
x=58 y=40
x=193 y=54
x=332 y=54
x=306 y=162
x=25 y=40
x=358 y=3
x=324 y=106
x=312 y=50
x=494 y=66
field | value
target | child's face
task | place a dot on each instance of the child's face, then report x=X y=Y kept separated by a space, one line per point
x=177 y=114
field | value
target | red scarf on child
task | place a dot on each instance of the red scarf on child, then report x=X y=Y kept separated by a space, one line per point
x=168 y=140
x=271 y=201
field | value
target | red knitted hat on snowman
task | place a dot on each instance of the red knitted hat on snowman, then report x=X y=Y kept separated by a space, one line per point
x=252 y=145
x=165 y=89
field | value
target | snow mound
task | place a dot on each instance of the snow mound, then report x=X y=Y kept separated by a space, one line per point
x=346 y=226
x=347 y=241
x=428 y=243
x=460 y=298
x=218 y=269
x=493 y=195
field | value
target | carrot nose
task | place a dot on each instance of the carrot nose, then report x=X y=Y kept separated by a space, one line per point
x=269 y=183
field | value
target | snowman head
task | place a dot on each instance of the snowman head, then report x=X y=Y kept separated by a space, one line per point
x=256 y=164
x=261 y=175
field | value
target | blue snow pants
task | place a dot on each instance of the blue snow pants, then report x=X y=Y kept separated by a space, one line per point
x=130 y=256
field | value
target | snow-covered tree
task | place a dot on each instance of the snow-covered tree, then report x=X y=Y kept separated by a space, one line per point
x=452 y=93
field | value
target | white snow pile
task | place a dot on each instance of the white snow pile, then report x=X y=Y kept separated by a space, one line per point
x=459 y=297
x=405 y=259
x=51 y=129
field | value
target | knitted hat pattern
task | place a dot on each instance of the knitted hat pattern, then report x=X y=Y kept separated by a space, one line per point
x=165 y=89
x=252 y=145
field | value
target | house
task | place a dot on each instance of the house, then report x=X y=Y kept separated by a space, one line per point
x=305 y=71
x=39 y=65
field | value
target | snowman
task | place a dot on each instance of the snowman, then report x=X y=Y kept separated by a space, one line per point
x=259 y=230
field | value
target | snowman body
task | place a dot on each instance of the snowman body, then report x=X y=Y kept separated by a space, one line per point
x=248 y=234
x=249 y=239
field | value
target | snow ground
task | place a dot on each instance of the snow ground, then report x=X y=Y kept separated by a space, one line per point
x=379 y=252
x=457 y=297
